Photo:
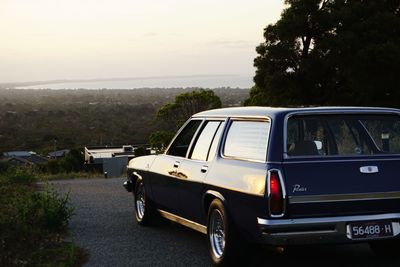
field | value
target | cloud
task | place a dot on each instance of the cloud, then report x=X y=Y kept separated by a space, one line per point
x=150 y=34
x=233 y=44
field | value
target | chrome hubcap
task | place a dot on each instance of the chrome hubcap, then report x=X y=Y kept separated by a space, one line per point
x=217 y=233
x=140 y=201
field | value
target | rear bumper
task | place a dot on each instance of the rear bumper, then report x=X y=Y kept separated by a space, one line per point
x=322 y=230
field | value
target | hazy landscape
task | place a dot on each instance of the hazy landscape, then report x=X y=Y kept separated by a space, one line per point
x=181 y=81
x=39 y=120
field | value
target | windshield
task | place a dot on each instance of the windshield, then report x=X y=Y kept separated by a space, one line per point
x=343 y=135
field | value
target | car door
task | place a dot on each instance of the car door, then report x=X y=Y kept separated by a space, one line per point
x=165 y=169
x=194 y=169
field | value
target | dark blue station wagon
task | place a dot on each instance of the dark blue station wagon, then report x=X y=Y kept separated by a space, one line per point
x=278 y=176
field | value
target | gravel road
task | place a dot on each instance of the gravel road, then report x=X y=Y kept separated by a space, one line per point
x=104 y=225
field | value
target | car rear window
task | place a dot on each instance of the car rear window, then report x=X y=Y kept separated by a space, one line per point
x=247 y=140
x=343 y=135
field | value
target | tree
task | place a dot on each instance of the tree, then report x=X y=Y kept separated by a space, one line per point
x=330 y=52
x=187 y=104
x=72 y=162
x=173 y=115
x=141 y=151
x=257 y=97
x=160 y=139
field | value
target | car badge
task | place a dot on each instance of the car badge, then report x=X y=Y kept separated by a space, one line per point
x=369 y=169
x=299 y=188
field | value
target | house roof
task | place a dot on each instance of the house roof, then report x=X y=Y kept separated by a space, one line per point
x=32 y=159
x=36 y=159
x=18 y=153
x=58 y=153
x=22 y=160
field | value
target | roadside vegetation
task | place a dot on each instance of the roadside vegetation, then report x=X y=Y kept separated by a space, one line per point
x=33 y=221
x=71 y=166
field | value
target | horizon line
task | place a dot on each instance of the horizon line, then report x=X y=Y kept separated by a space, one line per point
x=58 y=81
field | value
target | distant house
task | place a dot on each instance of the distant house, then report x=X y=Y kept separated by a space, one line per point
x=112 y=160
x=96 y=154
x=20 y=162
x=58 y=154
x=24 y=158
x=18 y=154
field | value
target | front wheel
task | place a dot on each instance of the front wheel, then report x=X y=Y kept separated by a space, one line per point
x=223 y=243
x=145 y=211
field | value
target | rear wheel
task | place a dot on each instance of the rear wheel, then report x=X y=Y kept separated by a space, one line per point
x=145 y=211
x=223 y=244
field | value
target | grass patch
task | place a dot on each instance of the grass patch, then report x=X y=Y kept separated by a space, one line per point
x=69 y=175
x=32 y=223
x=62 y=254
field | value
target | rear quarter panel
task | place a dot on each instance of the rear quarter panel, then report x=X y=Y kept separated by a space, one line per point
x=242 y=184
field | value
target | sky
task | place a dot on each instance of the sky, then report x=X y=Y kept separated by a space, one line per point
x=85 y=39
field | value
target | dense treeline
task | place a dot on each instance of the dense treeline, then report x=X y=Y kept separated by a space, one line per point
x=330 y=52
x=42 y=120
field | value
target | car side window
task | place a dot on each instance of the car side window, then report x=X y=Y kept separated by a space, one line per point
x=247 y=140
x=181 y=143
x=214 y=145
x=203 y=143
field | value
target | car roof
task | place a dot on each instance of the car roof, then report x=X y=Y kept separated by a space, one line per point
x=277 y=111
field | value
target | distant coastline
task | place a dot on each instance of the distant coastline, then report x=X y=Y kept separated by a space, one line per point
x=183 y=81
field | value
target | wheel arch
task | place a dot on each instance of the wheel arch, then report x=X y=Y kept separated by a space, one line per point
x=134 y=176
x=209 y=196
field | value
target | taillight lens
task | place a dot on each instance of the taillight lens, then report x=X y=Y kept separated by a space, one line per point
x=276 y=205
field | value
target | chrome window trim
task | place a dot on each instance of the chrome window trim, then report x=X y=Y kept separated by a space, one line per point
x=178 y=133
x=233 y=116
x=226 y=130
x=352 y=159
x=284 y=195
x=197 y=135
x=330 y=112
x=344 y=197
x=194 y=138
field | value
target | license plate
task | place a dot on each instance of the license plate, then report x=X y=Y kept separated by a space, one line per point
x=370 y=230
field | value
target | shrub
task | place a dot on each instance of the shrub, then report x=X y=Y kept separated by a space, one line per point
x=15 y=175
x=53 y=210
x=28 y=216
x=4 y=165
x=53 y=166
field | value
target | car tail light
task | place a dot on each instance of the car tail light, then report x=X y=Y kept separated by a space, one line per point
x=276 y=194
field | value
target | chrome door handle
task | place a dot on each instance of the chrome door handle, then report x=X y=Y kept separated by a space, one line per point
x=176 y=164
x=204 y=169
